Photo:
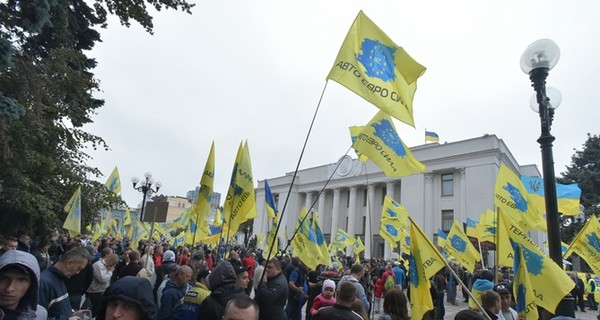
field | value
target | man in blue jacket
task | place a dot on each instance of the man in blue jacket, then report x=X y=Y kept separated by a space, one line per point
x=174 y=291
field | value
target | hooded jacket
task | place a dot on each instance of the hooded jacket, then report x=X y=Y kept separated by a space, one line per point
x=134 y=290
x=28 y=307
x=222 y=285
x=172 y=295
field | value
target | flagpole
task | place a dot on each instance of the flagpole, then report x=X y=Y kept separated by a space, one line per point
x=370 y=213
x=294 y=176
x=497 y=254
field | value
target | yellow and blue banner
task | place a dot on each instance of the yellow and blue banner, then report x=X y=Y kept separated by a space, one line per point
x=431 y=136
x=587 y=244
x=113 y=183
x=304 y=244
x=371 y=65
x=73 y=208
x=523 y=291
x=270 y=205
x=460 y=247
x=568 y=195
x=380 y=142
x=240 y=203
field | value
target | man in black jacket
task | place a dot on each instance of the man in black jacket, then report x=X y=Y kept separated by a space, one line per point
x=222 y=285
x=342 y=309
x=272 y=293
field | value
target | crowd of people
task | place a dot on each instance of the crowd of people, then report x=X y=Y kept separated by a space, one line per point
x=75 y=278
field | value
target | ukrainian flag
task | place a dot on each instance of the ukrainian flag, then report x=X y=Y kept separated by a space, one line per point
x=431 y=136
x=567 y=194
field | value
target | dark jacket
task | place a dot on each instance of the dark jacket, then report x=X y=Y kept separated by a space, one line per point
x=134 y=290
x=272 y=297
x=28 y=307
x=53 y=294
x=222 y=284
x=336 y=312
x=131 y=269
x=172 y=294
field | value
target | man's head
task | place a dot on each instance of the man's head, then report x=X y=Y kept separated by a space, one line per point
x=19 y=273
x=241 y=308
x=357 y=271
x=73 y=261
x=346 y=294
x=241 y=273
x=490 y=301
x=25 y=239
x=273 y=268
x=11 y=244
x=111 y=260
x=505 y=296
x=158 y=250
x=233 y=255
x=134 y=256
x=202 y=275
x=128 y=298
x=182 y=275
x=126 y=253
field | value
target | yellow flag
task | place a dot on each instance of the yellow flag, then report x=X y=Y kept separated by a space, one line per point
x=358 y=246
x=316 y=227
x=405 y=241
x=380 y=142
x=354 y=132
x=240 y=203
x=304 y=244
x=512 y=198
x=424 y=262
x=460 y=247
x=73 y=208
x=113 y=183
x=342 y=240
x=371 y=65
x=487 y=227
x=587 y=244
x=523 y=291
x=391 y=231
x=549 y=281
x=392 y=210
x=127 y=217
x=201 y=208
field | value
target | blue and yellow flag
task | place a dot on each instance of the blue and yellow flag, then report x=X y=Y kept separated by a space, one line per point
x=354 y=132
x=270 y=205
x=380 y=142
x=391 y=232
x=568 y=195
x=394 y=211
x=587 y=244
x=371 y=65
x=472 y=228
x=431 y=136
x=358 y=246
x=316 y=226
x=342 y=240
x=240 y=203
x=113 y=183
x=512 y=198
x=524 y=292
x=460 y=247
x=73 y=208
x=304 y=244
x=486 y=228
x=424 y=262
x=551 y=284
x=405 y=241
x=442 y=237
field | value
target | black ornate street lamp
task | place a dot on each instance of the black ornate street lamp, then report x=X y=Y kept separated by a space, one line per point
x=537 y=60
x=145 y=187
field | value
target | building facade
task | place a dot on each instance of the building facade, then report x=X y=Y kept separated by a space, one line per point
x=458 y=183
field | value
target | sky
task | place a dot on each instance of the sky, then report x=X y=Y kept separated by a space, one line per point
x=256 y=71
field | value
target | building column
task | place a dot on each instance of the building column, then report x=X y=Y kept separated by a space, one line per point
x=389 y=191
x=462 y=207
x=335 y=211
x=352 y=215
x=309 y=201
x=428 y=207
x=321 y=210
x=368 y=221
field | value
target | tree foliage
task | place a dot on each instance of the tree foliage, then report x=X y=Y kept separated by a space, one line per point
x=46 y=98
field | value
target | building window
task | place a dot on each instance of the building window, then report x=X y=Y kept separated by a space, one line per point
x=348 y=199
x=448 y=184
x=447 y=220
x=365 y=197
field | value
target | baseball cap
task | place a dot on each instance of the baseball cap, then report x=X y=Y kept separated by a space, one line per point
x=502 y=288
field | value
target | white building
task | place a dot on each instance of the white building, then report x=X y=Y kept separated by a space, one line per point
x=458 y=183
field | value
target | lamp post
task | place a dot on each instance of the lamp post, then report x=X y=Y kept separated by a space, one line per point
x=537 y=60
x=145 y=187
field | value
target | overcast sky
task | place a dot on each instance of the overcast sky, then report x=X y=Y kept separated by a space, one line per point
x=255 y=70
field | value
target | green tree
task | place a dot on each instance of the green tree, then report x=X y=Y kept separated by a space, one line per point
x=46 y=98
